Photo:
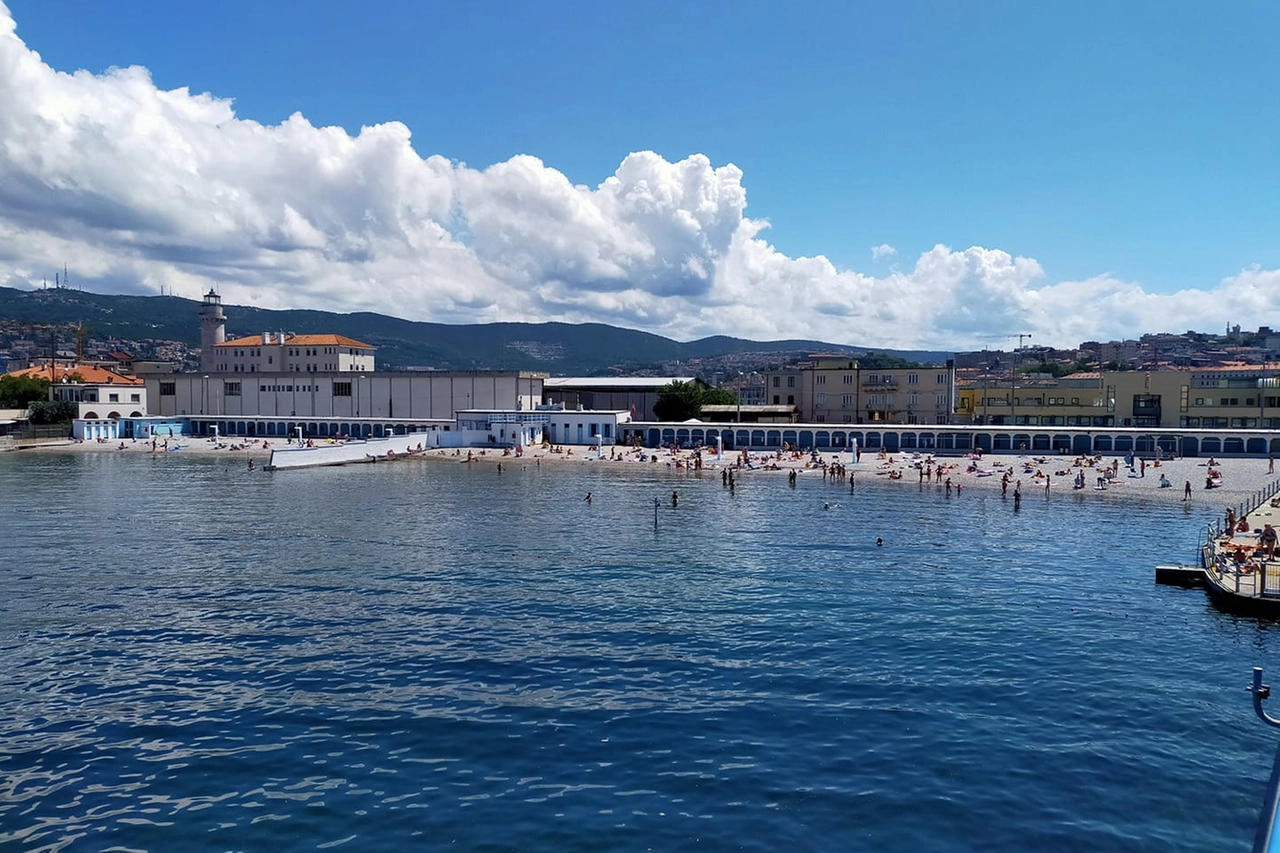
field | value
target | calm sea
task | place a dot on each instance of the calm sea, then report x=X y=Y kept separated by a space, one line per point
x=428 y=656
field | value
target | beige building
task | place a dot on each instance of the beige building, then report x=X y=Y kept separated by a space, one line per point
x=1231 y=397
x=281 y=352
x=829 y=390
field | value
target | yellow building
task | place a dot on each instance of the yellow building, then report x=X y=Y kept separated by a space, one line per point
x=1231 y=397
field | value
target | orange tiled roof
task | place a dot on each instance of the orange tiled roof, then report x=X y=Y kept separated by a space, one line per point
x=91 y=375
x=293 y=340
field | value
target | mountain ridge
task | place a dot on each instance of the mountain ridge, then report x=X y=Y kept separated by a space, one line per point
x=559 y=348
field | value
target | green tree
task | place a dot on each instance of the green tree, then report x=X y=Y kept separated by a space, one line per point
x=678 y=401
x=718 y=397
x=55 y=412
x=18 y=392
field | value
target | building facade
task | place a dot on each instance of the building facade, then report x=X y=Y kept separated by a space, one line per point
x=841 y=391
x=400 y=395
x=1232 y=397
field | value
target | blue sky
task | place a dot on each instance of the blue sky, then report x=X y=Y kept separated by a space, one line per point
x=1129 y=140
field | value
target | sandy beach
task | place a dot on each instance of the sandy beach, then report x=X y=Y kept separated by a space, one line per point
x=1239 y=478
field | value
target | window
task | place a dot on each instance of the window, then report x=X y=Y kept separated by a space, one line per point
x=1200 y=401
x=820 y=379
x=942 y=378
x=913 y=378
x=791 y=382
x=846 y=400
x=135 y=398
x=874 y=379
x=791 y=399
x=847 y=379
x=113 y=398
x=943 y=401
x=231 y=389
x=820 y=400
x=777 y=382
x=913 y=399
x=342 y=389
x=168 y=389
x=775 y=396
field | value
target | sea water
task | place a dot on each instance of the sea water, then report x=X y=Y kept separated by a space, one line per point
x=427 y=655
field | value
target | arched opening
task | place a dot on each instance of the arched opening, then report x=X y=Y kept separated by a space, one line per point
x=1040 y=441
x=1257 y=445
x=773 y=438
x=90 y=416
x=908 y=440
x=1102 y=444
x=1123 y=443
x=1003 y=441
x=821 y=440
x=1233 y=445
x=1190 y=446
x=1210 y=445
x=983 y=442
x=115 y=416
x=805 y=440
x=1081 y=444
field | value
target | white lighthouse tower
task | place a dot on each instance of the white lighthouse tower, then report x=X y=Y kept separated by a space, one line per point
x=213 y=328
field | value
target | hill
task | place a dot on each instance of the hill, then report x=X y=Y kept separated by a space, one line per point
x=560 y=348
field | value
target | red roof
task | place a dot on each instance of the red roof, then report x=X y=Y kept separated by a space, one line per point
x=293 y=340
x=90 y=374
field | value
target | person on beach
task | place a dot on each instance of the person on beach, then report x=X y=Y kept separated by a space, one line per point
x=1268 y=540
x=1186 y=491
x=587 y=499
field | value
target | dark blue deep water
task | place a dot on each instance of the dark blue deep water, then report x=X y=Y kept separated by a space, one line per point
x=429 y=655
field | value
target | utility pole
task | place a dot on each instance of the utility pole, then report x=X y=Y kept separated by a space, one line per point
x=1013 y=376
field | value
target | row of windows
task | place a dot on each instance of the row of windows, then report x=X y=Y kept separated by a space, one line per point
x=1225 y=423
x=1232 y=401
x=872 y=379
x=232 y=389
x=288 y=388
x=886 y=400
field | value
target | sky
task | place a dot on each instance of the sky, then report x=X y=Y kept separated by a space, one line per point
x=914 y=175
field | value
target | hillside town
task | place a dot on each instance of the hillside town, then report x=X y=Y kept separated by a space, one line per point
x=1192 y=380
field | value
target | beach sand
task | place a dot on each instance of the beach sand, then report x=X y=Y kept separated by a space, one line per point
x=1240 y=478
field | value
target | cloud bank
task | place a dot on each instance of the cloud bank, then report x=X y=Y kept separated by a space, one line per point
x=138 y=188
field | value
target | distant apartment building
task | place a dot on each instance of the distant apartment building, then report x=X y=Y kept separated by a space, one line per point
x=841 y=391
x=1233 y=396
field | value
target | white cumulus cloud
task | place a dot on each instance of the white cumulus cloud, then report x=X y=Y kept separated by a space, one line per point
x=143 y=188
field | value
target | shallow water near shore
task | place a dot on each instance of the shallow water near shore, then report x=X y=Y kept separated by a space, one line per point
x=426 y=654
